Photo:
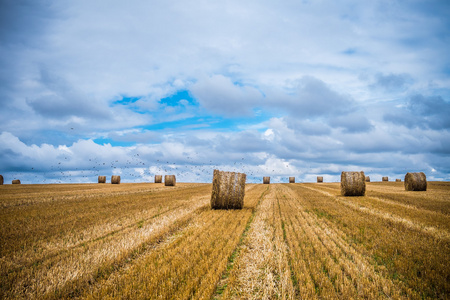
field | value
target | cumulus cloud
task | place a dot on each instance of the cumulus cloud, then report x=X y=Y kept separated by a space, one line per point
x=351 y=123
x=391 y=82
x=311 y=98
x=220 y=95
x=61 y=100
x=423 y=112
x=308 y=127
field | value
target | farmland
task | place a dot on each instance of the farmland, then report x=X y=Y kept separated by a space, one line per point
x=290 y=241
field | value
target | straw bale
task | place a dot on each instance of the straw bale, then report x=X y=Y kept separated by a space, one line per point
x=416 y=181
x=101 y=179
x=384 y=178
x=353 y=184
x=115 y=179
x=398 y=180
x=170 y=180
x=1 y=179
x=367 y=178
x=158 y=178
x=319 y=179
x=228 y=190
x=291 y=179
x=16 y=181
x=266 y=180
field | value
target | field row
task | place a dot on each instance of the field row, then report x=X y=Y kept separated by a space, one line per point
x=289 y=241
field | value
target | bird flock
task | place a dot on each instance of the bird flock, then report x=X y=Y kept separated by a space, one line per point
x=137 y=168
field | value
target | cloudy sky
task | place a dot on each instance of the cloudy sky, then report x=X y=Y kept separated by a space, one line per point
x=269 y=88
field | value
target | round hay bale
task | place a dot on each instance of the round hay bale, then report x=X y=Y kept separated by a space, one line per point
x=398 y=180
x=384 y=178
x=228 y=190
x=115 y=179
x=170 y=180
x=266 y=180
x=1 y=179
x=416 y=181
x=158 y=178
x=291 y=179
x=367 y=178
x=101 y=179
x=16 y=181
x=319 y=179
x=353 y=184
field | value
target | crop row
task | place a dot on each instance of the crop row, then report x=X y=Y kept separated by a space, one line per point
x=289 y=241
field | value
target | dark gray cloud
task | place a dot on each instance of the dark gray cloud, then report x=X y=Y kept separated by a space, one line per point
x=353 y=123
x=423 y=112
x=61 y=100
x=314 y=98
x=219 y=95
x=23 y=21
x=391 y=82
x=243 y=142
x=23 y=24
x=308 y=127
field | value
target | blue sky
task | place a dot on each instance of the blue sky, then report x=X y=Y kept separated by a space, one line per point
x=292 y=88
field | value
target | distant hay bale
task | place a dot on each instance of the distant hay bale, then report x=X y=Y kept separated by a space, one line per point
x=16 y=181
x=398 y=180
x=228 y=190
x=266 y=180
x=385 y=178
x=170 y=180
x=1 y=179
x=367 y=178
x=115 y=179
x=319 y=179
x=291 y=179
x=353 y=184
x=158 y=178
x=416 y=181
x=101 y=179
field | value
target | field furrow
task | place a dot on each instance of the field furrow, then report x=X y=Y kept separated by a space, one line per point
x=40 y=271
x=33 y=232
x=191 y=265
x=290 y=241
x=381 y=203
x=351 y=274
x=397 y=250
x=429 y=222
x=261 y=271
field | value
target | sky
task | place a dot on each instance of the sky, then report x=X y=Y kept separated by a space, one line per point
x=267 y=88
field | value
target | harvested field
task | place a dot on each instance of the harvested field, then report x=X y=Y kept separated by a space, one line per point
x=289 y=241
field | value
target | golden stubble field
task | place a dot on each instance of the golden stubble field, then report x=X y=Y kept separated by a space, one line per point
x=290 y=241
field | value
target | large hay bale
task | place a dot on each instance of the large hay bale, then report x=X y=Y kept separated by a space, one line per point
x=1 y=179
x=367 y=178
x=291 y=179
x=266 y=180
x=384 y=178
x=416 y=181
x=170 y=180
x=353 y=184
x=16 y=181
x=115 y=179
x=319 y=179
x=158 y=178
x=398 y=180
x=228 y=190
x=101 y=179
